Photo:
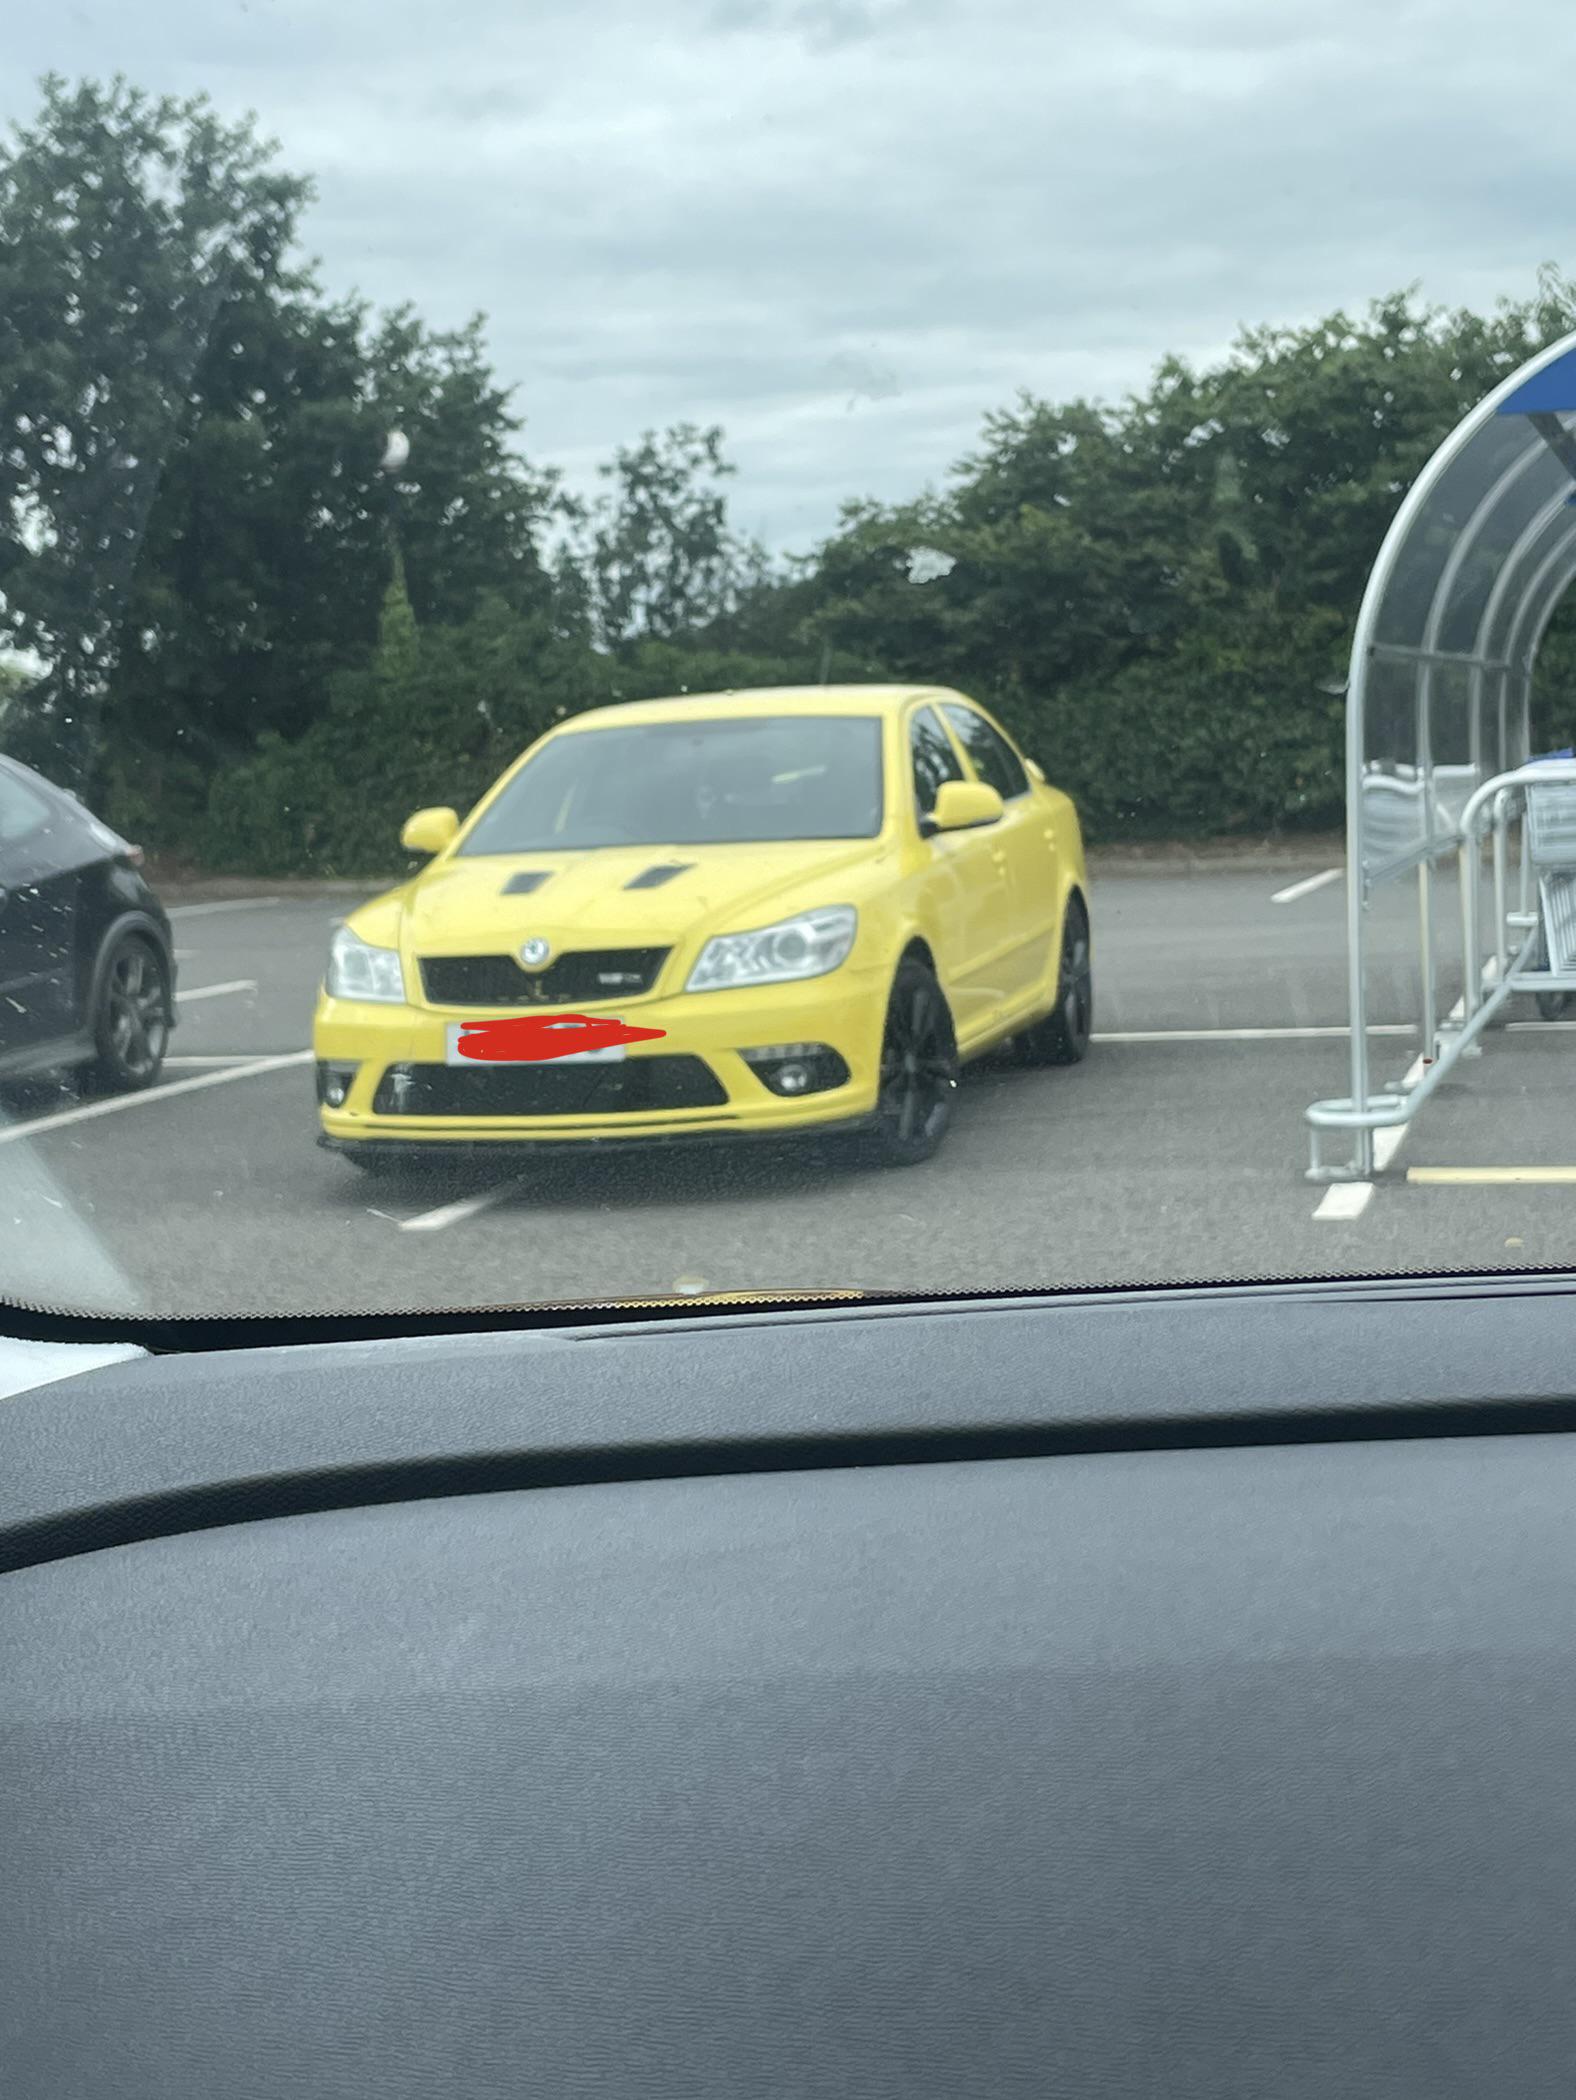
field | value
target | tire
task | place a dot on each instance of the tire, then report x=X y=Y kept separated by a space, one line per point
x=919 y=1070
x=131 y=1021
x=1062 y=1037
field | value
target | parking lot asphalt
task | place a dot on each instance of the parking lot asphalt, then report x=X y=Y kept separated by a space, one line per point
x=1176 y=1151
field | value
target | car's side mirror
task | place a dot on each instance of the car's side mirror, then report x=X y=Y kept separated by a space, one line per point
x=429 y=831
x=963 y=805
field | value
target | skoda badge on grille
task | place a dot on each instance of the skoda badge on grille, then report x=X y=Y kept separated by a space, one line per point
x=534 y=952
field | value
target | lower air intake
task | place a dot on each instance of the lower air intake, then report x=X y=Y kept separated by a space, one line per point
x=641 y=1086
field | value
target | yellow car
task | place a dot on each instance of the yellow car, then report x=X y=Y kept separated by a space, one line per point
x=825 y=899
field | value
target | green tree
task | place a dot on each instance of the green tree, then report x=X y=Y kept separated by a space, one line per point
x=433 y=717
x=269 y=548
x=1154 y=593
x=469 y=508
x=658 y=554
x=194 y=524
x=128 y=224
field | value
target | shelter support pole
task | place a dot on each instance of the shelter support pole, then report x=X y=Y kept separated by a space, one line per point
x=1471 y=969
x=1429 y=1026
x=1423 y=733
x=1356 y=918
x=1501 y=876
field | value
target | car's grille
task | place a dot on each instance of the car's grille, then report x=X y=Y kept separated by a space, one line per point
x=639 y=1086
x=569 y=980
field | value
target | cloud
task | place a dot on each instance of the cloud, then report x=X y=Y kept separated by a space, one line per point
x=847 y=228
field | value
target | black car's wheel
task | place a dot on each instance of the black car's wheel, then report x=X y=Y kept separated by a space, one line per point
x=1062 y=1037
x=919 y=1069
x=131 y=1025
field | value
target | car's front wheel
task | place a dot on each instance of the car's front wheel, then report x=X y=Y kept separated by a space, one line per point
x=1062 y=1036
x=919 y=1069
x=131 y=1024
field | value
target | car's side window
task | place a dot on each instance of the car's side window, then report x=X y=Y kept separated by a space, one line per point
x=935 y=761
x=21 y=811
x=994 y=759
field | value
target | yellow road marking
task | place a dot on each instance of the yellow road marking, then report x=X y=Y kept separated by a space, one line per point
x=1503 y=1175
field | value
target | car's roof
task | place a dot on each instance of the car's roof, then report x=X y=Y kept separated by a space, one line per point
x=34 y=779
x=758 y=700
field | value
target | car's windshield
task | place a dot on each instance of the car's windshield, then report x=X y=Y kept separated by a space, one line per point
x=693 y=648
x=723 y=781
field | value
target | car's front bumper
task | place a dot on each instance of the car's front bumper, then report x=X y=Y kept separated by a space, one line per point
x=845 y=1011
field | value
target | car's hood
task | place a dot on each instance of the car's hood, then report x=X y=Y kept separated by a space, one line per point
x=621 y=896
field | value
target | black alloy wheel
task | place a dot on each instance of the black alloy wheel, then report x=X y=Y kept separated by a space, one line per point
x=919 y=1069
x=1062 y=1036
x=131 y=1027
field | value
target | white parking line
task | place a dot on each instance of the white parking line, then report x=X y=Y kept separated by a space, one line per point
x=217 y=991
x=465 y=1207
x=119 y=1102
x=197 y=911
x=228 y=1057
x=1245 y=1035
x=1294 y=890
x=1344 y=1200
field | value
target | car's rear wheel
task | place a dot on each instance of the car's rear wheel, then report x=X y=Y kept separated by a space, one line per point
x=131 y=1025
x=1062 y=1037
x=919 y=1069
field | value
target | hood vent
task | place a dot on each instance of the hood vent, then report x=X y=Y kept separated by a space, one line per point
x=521 y=885
x=653 y=878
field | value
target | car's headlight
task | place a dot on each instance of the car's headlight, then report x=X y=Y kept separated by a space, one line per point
x=356 y=970
x=805 y=946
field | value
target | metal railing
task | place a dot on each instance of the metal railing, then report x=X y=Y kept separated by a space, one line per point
x=1532 y=950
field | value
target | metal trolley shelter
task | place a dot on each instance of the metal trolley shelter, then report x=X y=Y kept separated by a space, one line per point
x=1439 y=765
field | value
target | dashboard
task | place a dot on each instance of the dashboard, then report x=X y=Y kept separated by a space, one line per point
x=1147 y=1693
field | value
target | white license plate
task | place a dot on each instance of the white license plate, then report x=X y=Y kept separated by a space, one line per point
x=612 y=1054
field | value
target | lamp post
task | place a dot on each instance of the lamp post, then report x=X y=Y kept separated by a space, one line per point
x=396 y=456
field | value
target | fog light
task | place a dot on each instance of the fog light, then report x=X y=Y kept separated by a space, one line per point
x=796 y=1068
x=334 y=1083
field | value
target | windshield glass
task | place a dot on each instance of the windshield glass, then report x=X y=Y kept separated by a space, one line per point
x=715 y=648
x=721 y=782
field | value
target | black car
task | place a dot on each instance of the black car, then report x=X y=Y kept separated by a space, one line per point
x=87 y=971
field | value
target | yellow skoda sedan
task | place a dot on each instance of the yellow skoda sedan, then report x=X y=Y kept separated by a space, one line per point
x=826 y=899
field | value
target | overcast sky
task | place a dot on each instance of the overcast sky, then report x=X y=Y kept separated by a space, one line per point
x=846 y=228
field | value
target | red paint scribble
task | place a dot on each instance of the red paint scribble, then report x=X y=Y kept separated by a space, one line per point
x=534 y=1038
